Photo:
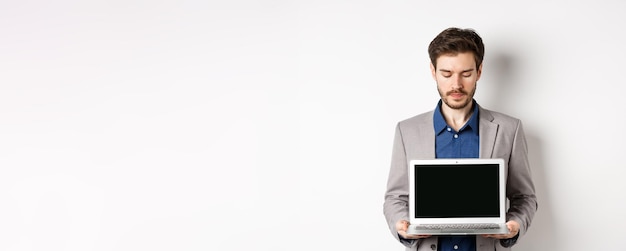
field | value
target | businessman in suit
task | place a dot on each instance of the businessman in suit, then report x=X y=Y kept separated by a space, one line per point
x=460 y=128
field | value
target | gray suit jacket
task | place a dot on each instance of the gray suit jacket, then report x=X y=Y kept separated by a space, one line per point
x=501 y=136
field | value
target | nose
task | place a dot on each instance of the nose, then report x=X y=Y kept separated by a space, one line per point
x=457 y=82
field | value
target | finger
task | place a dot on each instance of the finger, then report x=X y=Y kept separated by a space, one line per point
x=499 y=236
x=418 y=236
x=407 y=236
x=495 y=236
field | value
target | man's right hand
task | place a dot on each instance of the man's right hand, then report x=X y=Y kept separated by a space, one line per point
x=403 y=225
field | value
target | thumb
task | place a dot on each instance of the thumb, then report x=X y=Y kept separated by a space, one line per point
x=402 y=225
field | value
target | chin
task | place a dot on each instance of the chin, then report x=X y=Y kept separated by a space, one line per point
x=458 y=104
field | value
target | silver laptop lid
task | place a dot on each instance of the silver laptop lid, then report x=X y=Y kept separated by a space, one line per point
x=450 y=191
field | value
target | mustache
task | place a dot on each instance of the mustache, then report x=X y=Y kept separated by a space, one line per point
x=457 y=91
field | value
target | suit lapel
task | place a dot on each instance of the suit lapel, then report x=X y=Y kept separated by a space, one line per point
x=487 y=133
x=427 y=132
x=420 y=137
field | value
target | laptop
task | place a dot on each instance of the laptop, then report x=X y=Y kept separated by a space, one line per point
x=457 y=197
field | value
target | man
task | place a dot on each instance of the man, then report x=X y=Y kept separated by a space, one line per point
x=459 y=128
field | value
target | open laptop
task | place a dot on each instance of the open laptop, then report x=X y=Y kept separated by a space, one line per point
x=457 y=197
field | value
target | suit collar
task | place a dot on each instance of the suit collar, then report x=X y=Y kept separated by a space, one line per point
x=487 y=132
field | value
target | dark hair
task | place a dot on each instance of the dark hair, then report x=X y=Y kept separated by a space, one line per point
x=455 y=40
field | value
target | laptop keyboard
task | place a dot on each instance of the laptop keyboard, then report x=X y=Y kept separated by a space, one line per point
x=457 y=226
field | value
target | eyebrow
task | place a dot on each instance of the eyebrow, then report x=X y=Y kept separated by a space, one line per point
x=464 y=71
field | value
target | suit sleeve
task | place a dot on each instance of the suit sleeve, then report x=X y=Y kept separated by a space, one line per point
x=520 y=187
x=395 y=207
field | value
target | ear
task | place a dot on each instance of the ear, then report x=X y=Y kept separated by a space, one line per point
x=479 y=71
x=433 y=71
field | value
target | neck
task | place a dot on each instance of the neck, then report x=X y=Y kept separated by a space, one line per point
x=456 y=118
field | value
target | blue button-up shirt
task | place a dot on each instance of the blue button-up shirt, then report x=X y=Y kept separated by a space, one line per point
x=456 y=144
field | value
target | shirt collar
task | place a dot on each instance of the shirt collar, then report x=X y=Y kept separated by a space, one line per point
x=441 y=125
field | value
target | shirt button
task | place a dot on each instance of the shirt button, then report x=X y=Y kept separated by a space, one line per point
x=449 y=129
x=456 y=247
x=456 y=136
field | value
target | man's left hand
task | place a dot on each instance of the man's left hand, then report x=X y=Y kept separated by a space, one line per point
x=513 y=230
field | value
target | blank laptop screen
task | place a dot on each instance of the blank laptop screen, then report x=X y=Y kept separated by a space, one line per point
x=452 y=190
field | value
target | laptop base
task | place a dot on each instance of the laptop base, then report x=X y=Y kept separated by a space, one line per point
x=416 y=229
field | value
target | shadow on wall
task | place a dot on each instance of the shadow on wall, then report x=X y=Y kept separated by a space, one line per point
x=505 y=79
x=506 y=72
x=542 y=233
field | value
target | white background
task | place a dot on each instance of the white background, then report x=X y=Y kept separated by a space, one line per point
x=268 y=125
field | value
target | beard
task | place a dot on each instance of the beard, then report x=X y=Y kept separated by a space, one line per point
x=445 y=97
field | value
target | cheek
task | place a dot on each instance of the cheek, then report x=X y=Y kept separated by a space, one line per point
x=469 y=82
x=441 y=84
x=441 y=81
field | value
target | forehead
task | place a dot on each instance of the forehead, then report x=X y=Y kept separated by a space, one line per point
x=453 y=62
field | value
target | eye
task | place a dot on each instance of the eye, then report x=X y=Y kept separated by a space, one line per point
x=446 y=74
x=467 y=75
